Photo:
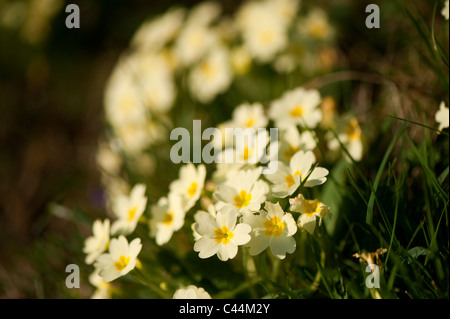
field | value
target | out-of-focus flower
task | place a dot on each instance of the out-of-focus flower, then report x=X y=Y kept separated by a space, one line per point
x=249 y=148
x=95 y=245
x=243 y=190
x=285 y=63
x=249 y=115
x=211 y=76
x=240 y=59
x=210 y=210
x=103 y=289
x=350 y=135
x=193 y=43
x=285 y=9
x=442 y=116
x=293 y=141
x=328 y=107
x=220 y=235
x=287 y=179
x=120 y=259
x=107 y=159
x=191 y=292
x=167 y=217
x=445 y=10
x=152 y=78
x=315 y=25
x=263 y=29
x=128 y=210
x=310 y=210
x=204 y=13
x=297 y=107
x=272 y=228
x=154 y=34
x=189 y=185
x=122 y=101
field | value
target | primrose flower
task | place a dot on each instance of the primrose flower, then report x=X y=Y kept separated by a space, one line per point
x=241 y=60
x=287 y=179
x=155 y=33
x=263 y=29
x=211 y=76
x=103 y=289
x=293 y=141
x=190 y=184
x=445 y=10
x=210 y=210
x=153 y=80
x=95 y=245
x=191 y=292
x=167 y=217
x=350 y=136
x=243 y=190
x=310 y=210
x=204 y=13
x=316 y=25
x=249 y=115
x=193 y=43
x=442 y=115
x=220 y=235
x=120 y=260
x=122 y=100
x=249 y=147
x=297 y=107
x=129 y=209
x=272 y=228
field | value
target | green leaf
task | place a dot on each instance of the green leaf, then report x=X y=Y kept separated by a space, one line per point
x=417 y=251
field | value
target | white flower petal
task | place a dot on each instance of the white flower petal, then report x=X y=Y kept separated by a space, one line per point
x=258 y=244
x=281 y=245
x=206 y=224
x=241 y=234
x=228 y=251
x=206 y=247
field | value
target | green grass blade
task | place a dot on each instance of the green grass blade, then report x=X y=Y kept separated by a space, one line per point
x=369 y=212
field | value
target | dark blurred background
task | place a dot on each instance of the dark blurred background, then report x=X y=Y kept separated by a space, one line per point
x=51 y=98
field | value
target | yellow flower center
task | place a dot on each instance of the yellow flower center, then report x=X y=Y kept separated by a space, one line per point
x=122 y=263
x=274 y=226
x=297 y=111
x=250 y=122
x=127 y=104
x=192 y=189
x=223 y=235
x=290 y=180
x=267 y=36
x=311 y=207
x=208 y=69
x=319 y=29
x=290 y=152
x=168 y=218
x=352 y=130
x=131 y=213
x=242 y=200
x=247 y=153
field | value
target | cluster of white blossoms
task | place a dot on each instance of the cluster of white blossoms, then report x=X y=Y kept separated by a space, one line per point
x=243 y=204
x=199 y=52
x=258 y=202
x=108 y=248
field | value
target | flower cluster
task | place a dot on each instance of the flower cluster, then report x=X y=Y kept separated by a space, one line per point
x=257 y=202
x=200 y=52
